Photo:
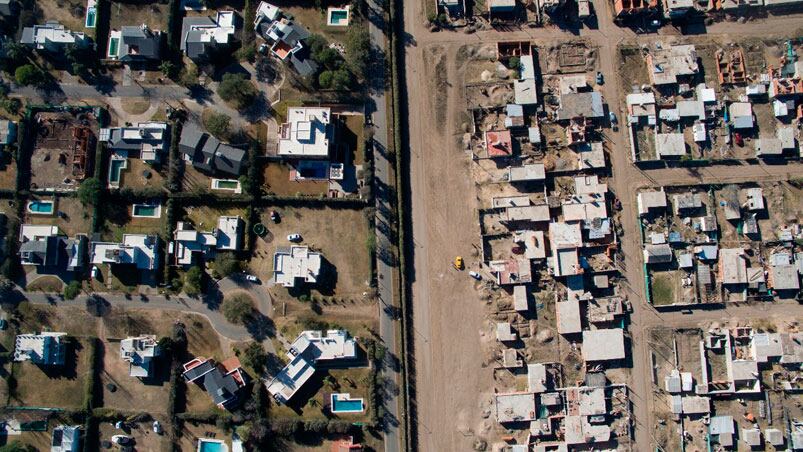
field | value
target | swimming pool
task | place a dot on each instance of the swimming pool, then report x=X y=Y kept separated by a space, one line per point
x=227 y=184
x=343 y=403
x=113 y=43
x=41 y=207
x=211 y=445
x=146 y=210
x=337 y=17
x=91 y=17
x=116 y=166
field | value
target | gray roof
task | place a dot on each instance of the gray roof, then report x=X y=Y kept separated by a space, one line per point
x=55 y=252
x=221 y=386
x=190 y=39
x=208 y=153
x=586 y=104
x=27 y=36
x=139 y=43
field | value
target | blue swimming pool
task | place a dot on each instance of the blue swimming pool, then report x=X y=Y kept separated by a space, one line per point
x=115 y=167
x=41 y=207
x=342 y=403
x=205 y=445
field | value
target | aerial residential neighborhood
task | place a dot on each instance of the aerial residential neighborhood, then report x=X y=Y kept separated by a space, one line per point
x=430 y=225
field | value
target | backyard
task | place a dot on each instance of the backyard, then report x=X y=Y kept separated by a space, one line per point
x=65 y=385
x=663 y=285
x=151 y=13
x=69 y=215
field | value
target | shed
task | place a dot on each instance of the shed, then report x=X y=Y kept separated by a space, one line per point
x=751 y=437
x=505 y=333
x=774 y=436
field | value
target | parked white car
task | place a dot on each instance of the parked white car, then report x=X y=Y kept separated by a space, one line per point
x=294 y=237
x=121 y=440
x=251 y=278
x=475 y=275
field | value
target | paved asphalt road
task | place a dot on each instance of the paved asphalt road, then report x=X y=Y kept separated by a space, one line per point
x=384 y=178
x=207 y=307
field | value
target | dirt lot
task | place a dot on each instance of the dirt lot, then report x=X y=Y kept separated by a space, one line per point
x=339 y=234
x=66 y=386
x=451 y=376
x=151 y=13
x=76 y=218
x=55 y=150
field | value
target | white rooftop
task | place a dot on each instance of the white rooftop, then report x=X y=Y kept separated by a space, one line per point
x=297 y=262
x=137 y=249
x=603 y=345
x=305 y=134
x=515 y=407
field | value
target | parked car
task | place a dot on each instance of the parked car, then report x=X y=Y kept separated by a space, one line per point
x=274 y=216
x=600 y=78
x=458 y=262
x=121 y=440
x=294 y=237
x=251 y=278
x=95 y=272
x=475 y=275
x=157 y=427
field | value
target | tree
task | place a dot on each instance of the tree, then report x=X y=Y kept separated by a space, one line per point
x=255 y=357
x=193 y=280
x=328 y=58
x=189 y=75
x=89 y=191
x=79 y=69
x=29 y=74
x=316 y=44
x=225 y=264
x=341 y=80
x=72 y=290
x=6 y=287
x=16 y=446
x=513 y=63
x=237 y=309
x=358 y=50
x=217 y=124
x=325 y=79
x=168 y=69
x=237 y=90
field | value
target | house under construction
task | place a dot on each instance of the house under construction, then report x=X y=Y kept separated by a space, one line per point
x=730 y=66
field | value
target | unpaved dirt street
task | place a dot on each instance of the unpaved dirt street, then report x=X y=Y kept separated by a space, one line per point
x=453 y=386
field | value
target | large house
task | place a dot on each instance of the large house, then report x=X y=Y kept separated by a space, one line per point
x=53 y=37
x=149 y=140
x=201 y=35
x=188 y=244
x=285 y=38
x=44 y=247
x=308 y=133
x=45 y=349
x=222 y=381
x=207 y=153
x=66 y=439
x=138 y=250
x=135 y=44
x=140 y=353
x=311 y=349
x=294 y=263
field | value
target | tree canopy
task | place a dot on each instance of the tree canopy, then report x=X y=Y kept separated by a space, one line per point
x=237 y=90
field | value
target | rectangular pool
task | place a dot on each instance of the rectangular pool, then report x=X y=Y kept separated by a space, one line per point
x=91 y=17
x=211 y=445
x=41 y=207
x=146 y=210
x=343 y=403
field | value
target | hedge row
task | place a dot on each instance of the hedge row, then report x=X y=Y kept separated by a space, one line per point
x=397 y=76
